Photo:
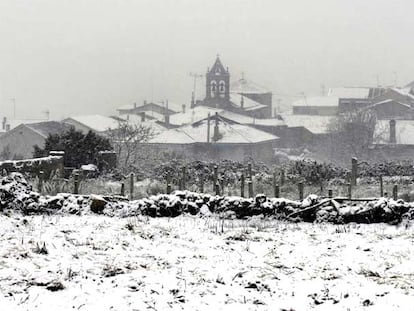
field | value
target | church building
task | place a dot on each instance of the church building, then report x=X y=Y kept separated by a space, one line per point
x=242 y=96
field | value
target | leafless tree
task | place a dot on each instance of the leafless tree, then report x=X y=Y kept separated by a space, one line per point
x=128 y=140
x=351 y=134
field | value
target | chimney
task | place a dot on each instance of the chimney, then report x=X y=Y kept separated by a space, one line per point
x=135 y=105
x=143 y=117
x=216 y=129
x=4 y=123
x=7 y=127
x=167 y=119
x=192 y=100
x=393 y=136
x=183 y=108
x=145 y=102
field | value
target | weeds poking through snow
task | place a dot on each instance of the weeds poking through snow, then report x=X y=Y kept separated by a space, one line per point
x=369 y=273
x=40 y=249
x=111 y=270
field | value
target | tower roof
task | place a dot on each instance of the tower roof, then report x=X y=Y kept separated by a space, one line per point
x=218 y=67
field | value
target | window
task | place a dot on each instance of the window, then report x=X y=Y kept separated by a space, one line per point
x=213 y=86
x=222 y=86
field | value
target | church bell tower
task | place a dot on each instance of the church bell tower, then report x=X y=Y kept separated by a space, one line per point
x=217 y=85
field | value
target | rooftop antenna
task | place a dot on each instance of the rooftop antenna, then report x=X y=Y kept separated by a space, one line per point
x=14 y=107
x=378 y=83
x=47 y=113
x=195 y=76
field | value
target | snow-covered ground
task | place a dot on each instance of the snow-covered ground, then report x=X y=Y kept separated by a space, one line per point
x=186 y=263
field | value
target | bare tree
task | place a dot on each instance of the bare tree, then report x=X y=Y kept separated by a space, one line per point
x=351 y=134
x=128 y=140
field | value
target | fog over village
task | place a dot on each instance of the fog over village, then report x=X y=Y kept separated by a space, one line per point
x=206 y=155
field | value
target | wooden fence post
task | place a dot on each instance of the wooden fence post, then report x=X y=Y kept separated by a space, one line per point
x=381 y=187
x=349 y=186
x=123 y=189
x=250 y=188
x=282 y=177
x=215 y=177
x=300 y=188
x=40 y=184
x=330 y=194
x=217 y=188
x=131 y=186
x=76 y=182
x=184 y=176
x=222 y=186
x=168 y=190
x=354 y=172
x=277 y=191
x=395 y=192
x=242 y=185
x=201 y=179
x=249 y=170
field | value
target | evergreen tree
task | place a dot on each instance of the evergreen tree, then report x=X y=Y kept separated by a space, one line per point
x=79 y=148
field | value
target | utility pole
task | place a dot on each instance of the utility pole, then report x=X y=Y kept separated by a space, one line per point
x=395 y=78
x=14 y=107
x=193 y=95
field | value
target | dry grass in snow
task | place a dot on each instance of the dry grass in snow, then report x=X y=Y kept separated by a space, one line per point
x=184 y=263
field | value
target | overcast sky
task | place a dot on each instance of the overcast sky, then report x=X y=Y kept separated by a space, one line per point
x=90 y=56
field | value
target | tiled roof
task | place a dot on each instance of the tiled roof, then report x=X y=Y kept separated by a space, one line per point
x=248 y=104
x=313 y=123
x=49 y=127
x=96 y=123
x=317 y=101
x=244 y=86
x=229 y=134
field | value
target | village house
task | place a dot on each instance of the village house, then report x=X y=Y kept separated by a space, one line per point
x=18 y=143
x=217 y=138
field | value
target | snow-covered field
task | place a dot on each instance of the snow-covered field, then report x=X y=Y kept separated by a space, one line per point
x=185 y=263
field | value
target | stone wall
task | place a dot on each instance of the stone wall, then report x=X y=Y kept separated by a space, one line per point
x=49 y=165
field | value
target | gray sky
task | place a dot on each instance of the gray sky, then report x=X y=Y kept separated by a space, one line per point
x=91 y=56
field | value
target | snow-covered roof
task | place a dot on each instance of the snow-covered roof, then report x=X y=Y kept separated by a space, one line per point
x=229 y=134
x=409 y=85
x=192 y=115
x=248 y=104
x=317 y=101
x=16 y=122
x=171 y=105
x=137 y=120
x=388 y=101
x=97 y=123
x=243 y=119
x=48 y=128
x=404 y=92
x=247 y=87
x=349 y=92
x=313 y=123
x=404 y=132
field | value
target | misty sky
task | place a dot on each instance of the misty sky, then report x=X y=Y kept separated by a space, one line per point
x=78 y=57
